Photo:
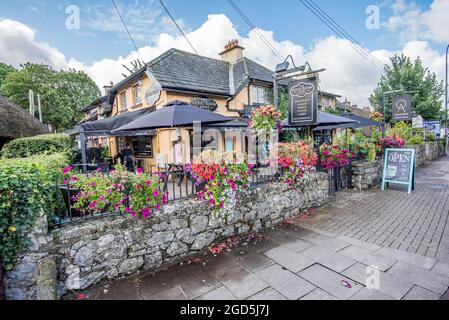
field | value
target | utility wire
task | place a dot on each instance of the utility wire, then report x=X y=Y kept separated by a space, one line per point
x=347 y=34
x=127 y=30
x=177 y=26
x=328 y=23
x=254 y=28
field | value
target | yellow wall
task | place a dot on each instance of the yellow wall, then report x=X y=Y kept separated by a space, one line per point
x=162 y=143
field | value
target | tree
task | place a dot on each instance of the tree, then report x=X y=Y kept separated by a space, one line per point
x=136 y=65
x=63 y=93
x=405 y=75
x=5 y=69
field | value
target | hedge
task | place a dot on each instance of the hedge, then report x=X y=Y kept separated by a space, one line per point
x=43 y=144
x=26 y=188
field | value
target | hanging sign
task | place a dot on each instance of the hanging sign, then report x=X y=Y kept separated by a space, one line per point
x=399 y=168
x=153 y=93
x=402 y=109
x=303 y=102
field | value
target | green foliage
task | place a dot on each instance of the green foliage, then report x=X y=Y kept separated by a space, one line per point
x=42 y=144
x=5 y=69
x=25 y=189
x=426 y=135
x=405 y=75
x=282 y=101
x=415 y=140
x=333 y=111
x=402 y=129
x=64 y=93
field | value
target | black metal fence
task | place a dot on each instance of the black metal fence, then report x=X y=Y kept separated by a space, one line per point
x=178 y=185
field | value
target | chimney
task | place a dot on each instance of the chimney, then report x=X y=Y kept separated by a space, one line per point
x=108 y=88
x=232 y=52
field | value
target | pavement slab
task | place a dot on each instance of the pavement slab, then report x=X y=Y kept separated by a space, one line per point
x=254 y=261
x=367 y=257
x=358 y=243
x=221 y=293
x=317 y=295
x=414 y=259
x=423 y=278
x=298 y=245
x=441 y=268
x=268 y=295
x=331 y=281
x=329 y=259
x=418 y=293
x=390 y=285
x=289 y=259
x=175 y=293
x=240 y=281
x=199 y=284
x=285 y=282
x=332 y=244
x=366 y=294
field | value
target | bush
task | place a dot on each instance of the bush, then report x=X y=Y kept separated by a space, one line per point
x=426 y=135
x=25 y=189
x=415 y=140
x=43 y=144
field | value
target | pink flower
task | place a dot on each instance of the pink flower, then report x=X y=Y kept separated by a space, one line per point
x=139 y=170
x=102 y=198
x=93 y=204
x=146 y=212
x=156 y=194
x=67 y=169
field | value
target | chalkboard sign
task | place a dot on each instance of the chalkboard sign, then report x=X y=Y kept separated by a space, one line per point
x=399 y=168
x=303 y=102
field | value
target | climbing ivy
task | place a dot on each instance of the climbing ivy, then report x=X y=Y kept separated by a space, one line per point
x=25 y=189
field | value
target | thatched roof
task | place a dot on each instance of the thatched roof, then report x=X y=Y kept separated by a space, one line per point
x=15 y=122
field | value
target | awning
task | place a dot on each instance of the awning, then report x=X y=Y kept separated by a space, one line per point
x=236 y=124
x=326 y=121
x=105 y=127
x=335 y=126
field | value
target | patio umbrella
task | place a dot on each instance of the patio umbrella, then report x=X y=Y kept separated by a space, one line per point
x=174 y=114
x=362 y=121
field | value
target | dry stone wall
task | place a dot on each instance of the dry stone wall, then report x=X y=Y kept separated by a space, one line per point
x=75 y=257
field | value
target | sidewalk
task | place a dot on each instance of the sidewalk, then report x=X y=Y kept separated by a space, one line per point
x=403 y=238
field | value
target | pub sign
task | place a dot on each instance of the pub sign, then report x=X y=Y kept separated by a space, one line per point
x=303 y=102
x=402 y=109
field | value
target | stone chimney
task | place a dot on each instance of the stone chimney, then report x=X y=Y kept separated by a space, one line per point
x=232 y=52
x=108 y=88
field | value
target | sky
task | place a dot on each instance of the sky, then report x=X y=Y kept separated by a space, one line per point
x=88 y=35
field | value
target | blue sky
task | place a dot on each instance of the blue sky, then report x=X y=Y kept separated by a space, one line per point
x=289 y=19
x=35 y=30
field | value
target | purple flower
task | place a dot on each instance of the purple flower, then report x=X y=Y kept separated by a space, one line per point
x=93 y=204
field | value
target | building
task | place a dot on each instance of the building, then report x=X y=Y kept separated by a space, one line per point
x=231 y=86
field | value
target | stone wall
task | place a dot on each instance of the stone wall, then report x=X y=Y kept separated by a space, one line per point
x=77 y=256
x=420 y=154
x=366 y=174
x=431 y=151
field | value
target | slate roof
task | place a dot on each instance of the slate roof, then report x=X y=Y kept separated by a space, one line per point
x=185 y=71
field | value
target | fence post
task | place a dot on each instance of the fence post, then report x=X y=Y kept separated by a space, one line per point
x=2 y=282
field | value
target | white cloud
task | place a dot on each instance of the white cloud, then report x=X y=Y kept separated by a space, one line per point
x=416 y=24
x=347 y=72
x=18 y=45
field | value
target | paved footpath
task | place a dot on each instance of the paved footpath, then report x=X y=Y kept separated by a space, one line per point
x=394 y=242
x=416 y=223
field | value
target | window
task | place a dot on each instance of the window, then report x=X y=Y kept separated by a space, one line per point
x=123 y=100
x=260 y=95
x=143 y=146
x=137 y=90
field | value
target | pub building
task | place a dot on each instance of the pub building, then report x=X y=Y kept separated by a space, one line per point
x=231 y=86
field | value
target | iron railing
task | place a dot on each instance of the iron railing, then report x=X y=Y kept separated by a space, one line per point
x=178 y=184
